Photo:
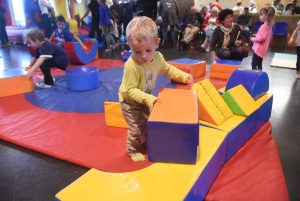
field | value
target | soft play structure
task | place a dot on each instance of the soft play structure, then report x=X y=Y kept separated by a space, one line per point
x=193 y=135
x=175 y=140
x=76 y=53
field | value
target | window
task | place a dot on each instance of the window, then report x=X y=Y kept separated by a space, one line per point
x=18 y=16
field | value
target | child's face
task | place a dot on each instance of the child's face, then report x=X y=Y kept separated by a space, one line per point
x=143 y=51
x=263 y=16
x=60 y=25
x=34 y=44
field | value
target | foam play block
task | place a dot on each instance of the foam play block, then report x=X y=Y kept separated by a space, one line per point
x=240 y=129
x=165 y=181
x=223 y=68
x=113 y=115
x=255 y=82
x=14 y=82
x=77 y=55
x=212 y=108
x=83 y=78
x=196 y=68
x=126 y=56
x=173 y=128
x=240 y=101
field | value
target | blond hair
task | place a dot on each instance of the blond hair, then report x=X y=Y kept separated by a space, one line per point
x=141 y=28
x=270 y=12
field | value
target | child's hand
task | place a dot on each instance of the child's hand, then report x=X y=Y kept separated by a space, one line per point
x=215 y=58
x=252 y=38
x=291 y=41
x=152 y=105
x=28 y=67
x=253 y=35
x=29 y=73
x=46 y=39
x=85 y=48
x=190 y=80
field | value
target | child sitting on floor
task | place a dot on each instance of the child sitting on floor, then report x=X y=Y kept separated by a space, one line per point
x=61 y=34
x=138 y=83
x=47 y=55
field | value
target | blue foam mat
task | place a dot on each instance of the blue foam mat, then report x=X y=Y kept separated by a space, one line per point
x=60 y=98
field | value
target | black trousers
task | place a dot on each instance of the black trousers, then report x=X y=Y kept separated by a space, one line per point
x=256 y=62
x=298 y=59
x=95 y=27
x=45 y=68
x=3 y=34
x=47 y=25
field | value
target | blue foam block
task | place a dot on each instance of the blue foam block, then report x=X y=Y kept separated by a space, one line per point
x=82 y=78
x=244 y=131
x=228 y=62
x=255 y=82
x=174 y=142
x=126 y=56
x=186 y=61
x=208 y=175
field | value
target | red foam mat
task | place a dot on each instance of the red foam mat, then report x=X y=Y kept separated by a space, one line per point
x=82 y=139
x=253 y=173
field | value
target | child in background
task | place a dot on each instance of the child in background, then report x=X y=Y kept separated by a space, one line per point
x=138 y=83
x=297 y=32
x=62 y=35
x=262 y=39
x=114 y=32
x=47 y=55
x=210 y=24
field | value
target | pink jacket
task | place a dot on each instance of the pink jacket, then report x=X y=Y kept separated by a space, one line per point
x=262 y=40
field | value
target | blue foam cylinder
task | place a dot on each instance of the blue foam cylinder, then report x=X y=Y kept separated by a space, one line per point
x=82 y=78
x=126 y=56
x=255 y=82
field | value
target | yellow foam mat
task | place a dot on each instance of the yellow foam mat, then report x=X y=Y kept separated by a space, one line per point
x=113 y=115
x=160 y=181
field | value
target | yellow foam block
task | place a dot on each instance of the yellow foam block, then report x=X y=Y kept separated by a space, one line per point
x=235 y=120
x=222 y=90
x=113 y=115
x=14 y=82
x=160 y=181
x=208 y=111
x=240 y=101
x=196 y=70
x=217 y=98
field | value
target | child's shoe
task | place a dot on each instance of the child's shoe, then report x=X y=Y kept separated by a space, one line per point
x=207 y=49
x=297 y=76
x=43 y=85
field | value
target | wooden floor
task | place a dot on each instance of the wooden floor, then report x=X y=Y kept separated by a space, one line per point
x=28 y=175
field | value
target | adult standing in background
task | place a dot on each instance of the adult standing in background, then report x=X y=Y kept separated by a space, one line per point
x=169 y=11
x=45 y=6
x=150 y=9
x=93 y=7
x=3 y=34
x=105 y=25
